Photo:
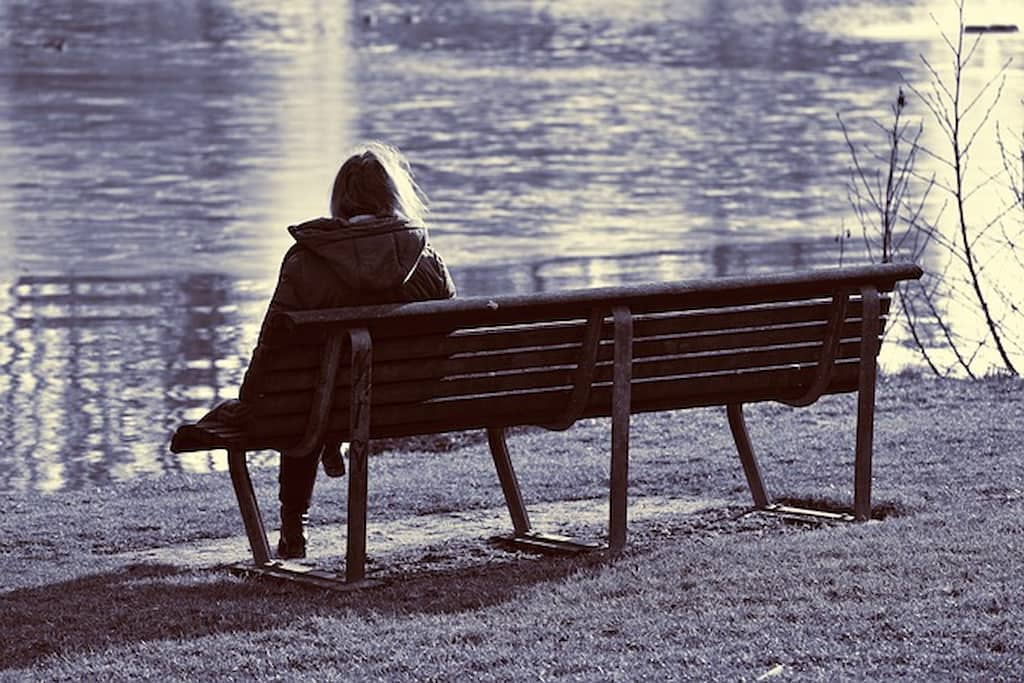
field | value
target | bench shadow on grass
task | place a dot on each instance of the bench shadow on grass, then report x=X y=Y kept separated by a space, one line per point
x=152 y=602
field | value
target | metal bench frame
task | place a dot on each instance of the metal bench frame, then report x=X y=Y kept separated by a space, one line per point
x=348 y=337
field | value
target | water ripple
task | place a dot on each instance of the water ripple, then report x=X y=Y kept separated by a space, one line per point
x=154 y=152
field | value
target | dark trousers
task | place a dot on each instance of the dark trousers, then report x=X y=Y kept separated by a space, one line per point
x=296 y=479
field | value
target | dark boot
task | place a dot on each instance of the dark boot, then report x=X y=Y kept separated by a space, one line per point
x=293 y=535
x=331 y=457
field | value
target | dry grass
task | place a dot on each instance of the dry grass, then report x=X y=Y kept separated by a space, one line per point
x=929 y=593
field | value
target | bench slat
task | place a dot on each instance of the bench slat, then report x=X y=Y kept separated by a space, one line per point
x=418 y=344
x=398 y=421
x=510 y=382
x=427 y=317
x=490 y=339
x=566 y=355
x=537 y=406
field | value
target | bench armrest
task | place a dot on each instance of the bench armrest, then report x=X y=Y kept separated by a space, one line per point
x=323 y=396
x=583 y=376
x=830 y=347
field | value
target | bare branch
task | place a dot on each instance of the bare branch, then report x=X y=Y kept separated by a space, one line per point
x=939 y=113
x=970 y=51
x=943 y=33
x=998 y=76
x=910 y=317
x=995 y=221
x=856 y=160
x=983 y=184
x=936 y=78
x=985 y=118
x=947 y=334
x=936 y=157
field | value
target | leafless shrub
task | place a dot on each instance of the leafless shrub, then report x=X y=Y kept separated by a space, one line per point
x=901 y=225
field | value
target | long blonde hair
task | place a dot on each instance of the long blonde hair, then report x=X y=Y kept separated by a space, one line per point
x=377 y=180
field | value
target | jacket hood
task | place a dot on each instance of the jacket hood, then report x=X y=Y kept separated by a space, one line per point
x=369 y=253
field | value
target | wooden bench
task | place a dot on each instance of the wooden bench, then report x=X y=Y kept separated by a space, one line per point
x=549 y=359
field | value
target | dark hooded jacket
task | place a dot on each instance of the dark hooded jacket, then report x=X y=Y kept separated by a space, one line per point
x=366 y=260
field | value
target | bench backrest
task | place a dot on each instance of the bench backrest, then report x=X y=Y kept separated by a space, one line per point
x=490 y=362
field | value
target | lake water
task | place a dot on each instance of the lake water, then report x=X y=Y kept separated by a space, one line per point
x=153 y=153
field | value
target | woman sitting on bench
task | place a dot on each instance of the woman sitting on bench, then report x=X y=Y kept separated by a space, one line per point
x=372 y=250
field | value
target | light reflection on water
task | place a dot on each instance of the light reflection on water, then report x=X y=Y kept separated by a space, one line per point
x=152 y=158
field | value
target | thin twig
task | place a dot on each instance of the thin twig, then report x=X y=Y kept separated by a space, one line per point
x=910 y=317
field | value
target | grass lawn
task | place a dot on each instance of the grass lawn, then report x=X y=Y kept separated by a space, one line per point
x=929 y=591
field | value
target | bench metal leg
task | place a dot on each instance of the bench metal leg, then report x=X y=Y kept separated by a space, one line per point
x=523 y=536
x=804 y=515
x=751 y=469
x=621 y=394
x=359 y=427
x=263 y=566
x=870 y=329
x=249 y=508
x=509 y=482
